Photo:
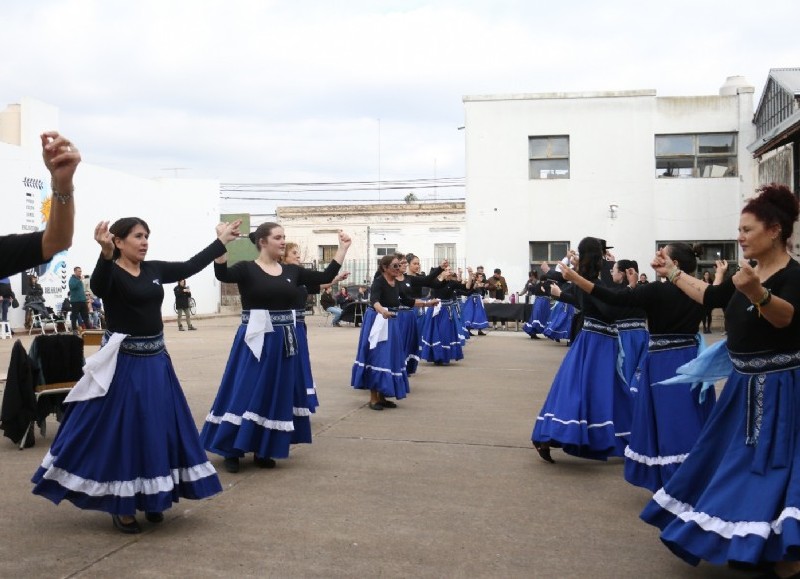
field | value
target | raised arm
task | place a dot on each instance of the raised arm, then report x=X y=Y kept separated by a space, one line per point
x=776 y=310
x=61 y=158
x=172 y=271
x=344 y=245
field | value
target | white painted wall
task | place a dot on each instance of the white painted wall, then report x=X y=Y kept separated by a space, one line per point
x=612 y=160
x=181 y=213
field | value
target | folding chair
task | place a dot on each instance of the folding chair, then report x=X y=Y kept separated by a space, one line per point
x=40 y=321
x=57 y=363
x=325 y=317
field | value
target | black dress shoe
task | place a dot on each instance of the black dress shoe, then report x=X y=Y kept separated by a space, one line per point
x=232 y=464
x=544 y=452
x=154 y=517
x=388 y=404
x=376 y=406
x=264 y=462
x=481 y=333
x=131 y=528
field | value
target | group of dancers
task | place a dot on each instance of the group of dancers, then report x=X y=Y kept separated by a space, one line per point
x=722 y=471
x=127 y=441
x=402 y=327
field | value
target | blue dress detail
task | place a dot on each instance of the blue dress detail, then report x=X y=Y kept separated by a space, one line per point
x=589 y=408
x=136 y=448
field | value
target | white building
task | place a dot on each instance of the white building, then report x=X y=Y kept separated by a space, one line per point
x=167 y=205
x=432 y=231
x=636 y=169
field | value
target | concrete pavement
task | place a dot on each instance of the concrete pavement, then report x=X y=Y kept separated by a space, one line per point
x=446 y=485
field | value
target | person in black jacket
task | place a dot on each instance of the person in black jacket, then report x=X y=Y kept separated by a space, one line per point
x=182 y=307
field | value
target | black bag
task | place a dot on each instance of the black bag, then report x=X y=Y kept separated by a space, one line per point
x=14 y=302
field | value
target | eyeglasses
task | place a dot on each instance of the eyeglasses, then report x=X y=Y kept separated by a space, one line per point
x=395 y=266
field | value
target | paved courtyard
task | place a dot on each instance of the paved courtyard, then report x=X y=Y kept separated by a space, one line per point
x=446 y=485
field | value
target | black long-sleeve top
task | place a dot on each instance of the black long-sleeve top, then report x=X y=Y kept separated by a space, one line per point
x=668 y=309
x=592 y=307
x=262 y=291
x=20 y=252
x=133 y=303
x=747 y=331
x=389 y=296
x=412 y=284
x=449 y=290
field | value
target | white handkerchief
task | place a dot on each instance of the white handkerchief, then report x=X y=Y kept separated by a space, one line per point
x=258 y=324
x=379 y=332
x=436 y=309
x=98 y=371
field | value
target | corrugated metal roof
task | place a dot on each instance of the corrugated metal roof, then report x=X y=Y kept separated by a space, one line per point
x=788 y=78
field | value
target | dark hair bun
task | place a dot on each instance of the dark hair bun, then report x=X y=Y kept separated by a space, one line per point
x=781 y=197
x=252 y=236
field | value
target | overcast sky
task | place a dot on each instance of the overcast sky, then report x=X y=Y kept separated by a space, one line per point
x=352 y=90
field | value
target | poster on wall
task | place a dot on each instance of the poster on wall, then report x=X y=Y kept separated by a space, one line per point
x=46 y=282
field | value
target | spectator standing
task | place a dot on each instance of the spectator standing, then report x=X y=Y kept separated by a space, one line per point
x=642 y=279
x=6 y=297
x=498 y=288
x=182 y=307
x=77 y=300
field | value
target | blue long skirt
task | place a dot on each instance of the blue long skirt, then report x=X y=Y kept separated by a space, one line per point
x=261 y=406
x=633 y=341
x=667 y=418
x=382 y=368
x=560 y=321
x=736 y=497
x=474 y=314
x=540 y=314
x=588 y=409
x=305 y=359
x=136 y=448
x=440 y=339
x=407 y=319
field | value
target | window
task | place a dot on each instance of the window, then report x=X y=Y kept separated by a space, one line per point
x=703 y=155
x=444 y=251
x=381 y=250
x=710 y=252
x=550 y=251
x=548 y=157
x=327 y=253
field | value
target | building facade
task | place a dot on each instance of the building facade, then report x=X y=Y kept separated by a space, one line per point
x=432 y=231
x=181 y=213
x=636 y=169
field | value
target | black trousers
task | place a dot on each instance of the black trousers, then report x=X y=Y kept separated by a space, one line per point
x=79 y=308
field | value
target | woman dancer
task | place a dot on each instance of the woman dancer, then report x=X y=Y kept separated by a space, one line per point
x=473 y=313
x=292 y=257
x=442 y=328
x=735 y=498
x=380 y=365
x=412 y=283
x=588 y=409
x=262 y=403
x=632 y=325
x=667 y=419
x=131 y=444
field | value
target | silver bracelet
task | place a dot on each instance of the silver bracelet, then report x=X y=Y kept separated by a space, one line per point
x=61 y=197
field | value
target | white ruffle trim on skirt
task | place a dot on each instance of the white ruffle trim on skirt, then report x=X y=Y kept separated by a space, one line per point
x=725 y=529
x=285 y=425
x=129 y=488
x=654 y=460
x=584 y=422
x=377 y=369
